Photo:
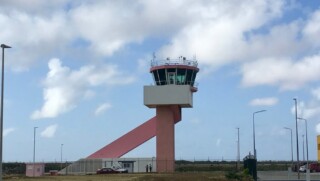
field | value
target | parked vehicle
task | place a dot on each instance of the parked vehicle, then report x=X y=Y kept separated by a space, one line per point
x=122 y=170
x=314 y=167
x=111 y=170
x=297 y=167
x=303 y=168
x=106 y=171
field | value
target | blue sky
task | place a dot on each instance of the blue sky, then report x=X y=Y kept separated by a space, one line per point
x=77 y=70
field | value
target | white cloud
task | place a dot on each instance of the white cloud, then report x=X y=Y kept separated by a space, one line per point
x=268 y=101
x=102 y=108
x=210 y=29
x=318 y=128
x=284 y=73
x=124 y=24
x=8 y=131
x=316 y=93
x=311 y=112
x=65 y=88
x=50 y=131
x=33 y=6
x=217 y=32
x=33 y=36
x=312 y=29
x=306 y=110
x=300 y=107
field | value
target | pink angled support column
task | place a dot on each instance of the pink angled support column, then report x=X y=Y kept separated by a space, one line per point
x=128 y=142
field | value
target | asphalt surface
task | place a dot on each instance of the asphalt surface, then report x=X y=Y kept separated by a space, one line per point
x=285 y=175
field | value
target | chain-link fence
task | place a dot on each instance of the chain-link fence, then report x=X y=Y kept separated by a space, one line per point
x=140 y=165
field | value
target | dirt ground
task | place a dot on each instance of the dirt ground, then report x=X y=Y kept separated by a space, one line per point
x=128 y=177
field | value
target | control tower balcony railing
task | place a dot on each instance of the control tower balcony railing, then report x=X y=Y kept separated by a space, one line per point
x=179 y=61
x=193 y=84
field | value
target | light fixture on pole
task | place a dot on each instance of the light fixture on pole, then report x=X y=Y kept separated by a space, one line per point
x=306 y=123
x=34 y=149
x=291 y=146
x=254 y=134
x=296 y=112
x=3 y=46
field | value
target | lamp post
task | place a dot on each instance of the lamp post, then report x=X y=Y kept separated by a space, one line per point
x=34 y=148
x=3 y=46
x=61 y=156
x=254 y=134
x=152 y=163
x=306 y=123
x=291 y=146
x=296 y=112
x=238 y=152
x=303 y=148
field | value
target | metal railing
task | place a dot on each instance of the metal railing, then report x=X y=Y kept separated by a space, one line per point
x=165 y=82
x=179 y=61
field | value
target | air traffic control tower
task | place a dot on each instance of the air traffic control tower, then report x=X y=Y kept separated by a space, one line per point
x=174 y=84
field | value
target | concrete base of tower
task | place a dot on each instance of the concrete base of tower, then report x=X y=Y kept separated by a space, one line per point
x=165 y=139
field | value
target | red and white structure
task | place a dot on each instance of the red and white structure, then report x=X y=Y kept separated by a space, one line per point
x=174 y=84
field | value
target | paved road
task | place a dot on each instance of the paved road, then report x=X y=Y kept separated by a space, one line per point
x=285 y=175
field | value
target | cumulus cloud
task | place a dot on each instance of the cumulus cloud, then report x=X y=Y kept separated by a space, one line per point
x=307 y=110
x=312 y=29
x=33 y=36
x=318 y=128
x=102 y=108
x=316 y=93
x=217 y=32
x=50 y=131
x=311 y=109
x=8 y=131
x=268 y=101
x=64 y=88
x=33 y=6
x=210 y=29
x=37 y=29
x=300 y=108
x=285 y=73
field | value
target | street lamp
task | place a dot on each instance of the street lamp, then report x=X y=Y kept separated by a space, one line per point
x=306 y=123
x=34 y=148
x=296 y=112
x=291 y=146
x=303 y=148
x=3 y=46
x=238 y=153
x=254 y=134
x=152 y=162
x=61 y=157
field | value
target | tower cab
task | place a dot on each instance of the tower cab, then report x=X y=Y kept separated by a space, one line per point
x=178 y=71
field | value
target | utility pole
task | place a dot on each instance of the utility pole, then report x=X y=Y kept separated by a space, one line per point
x=34 y=149
x=3 y=46
x=238 y=154
x=298 y=163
